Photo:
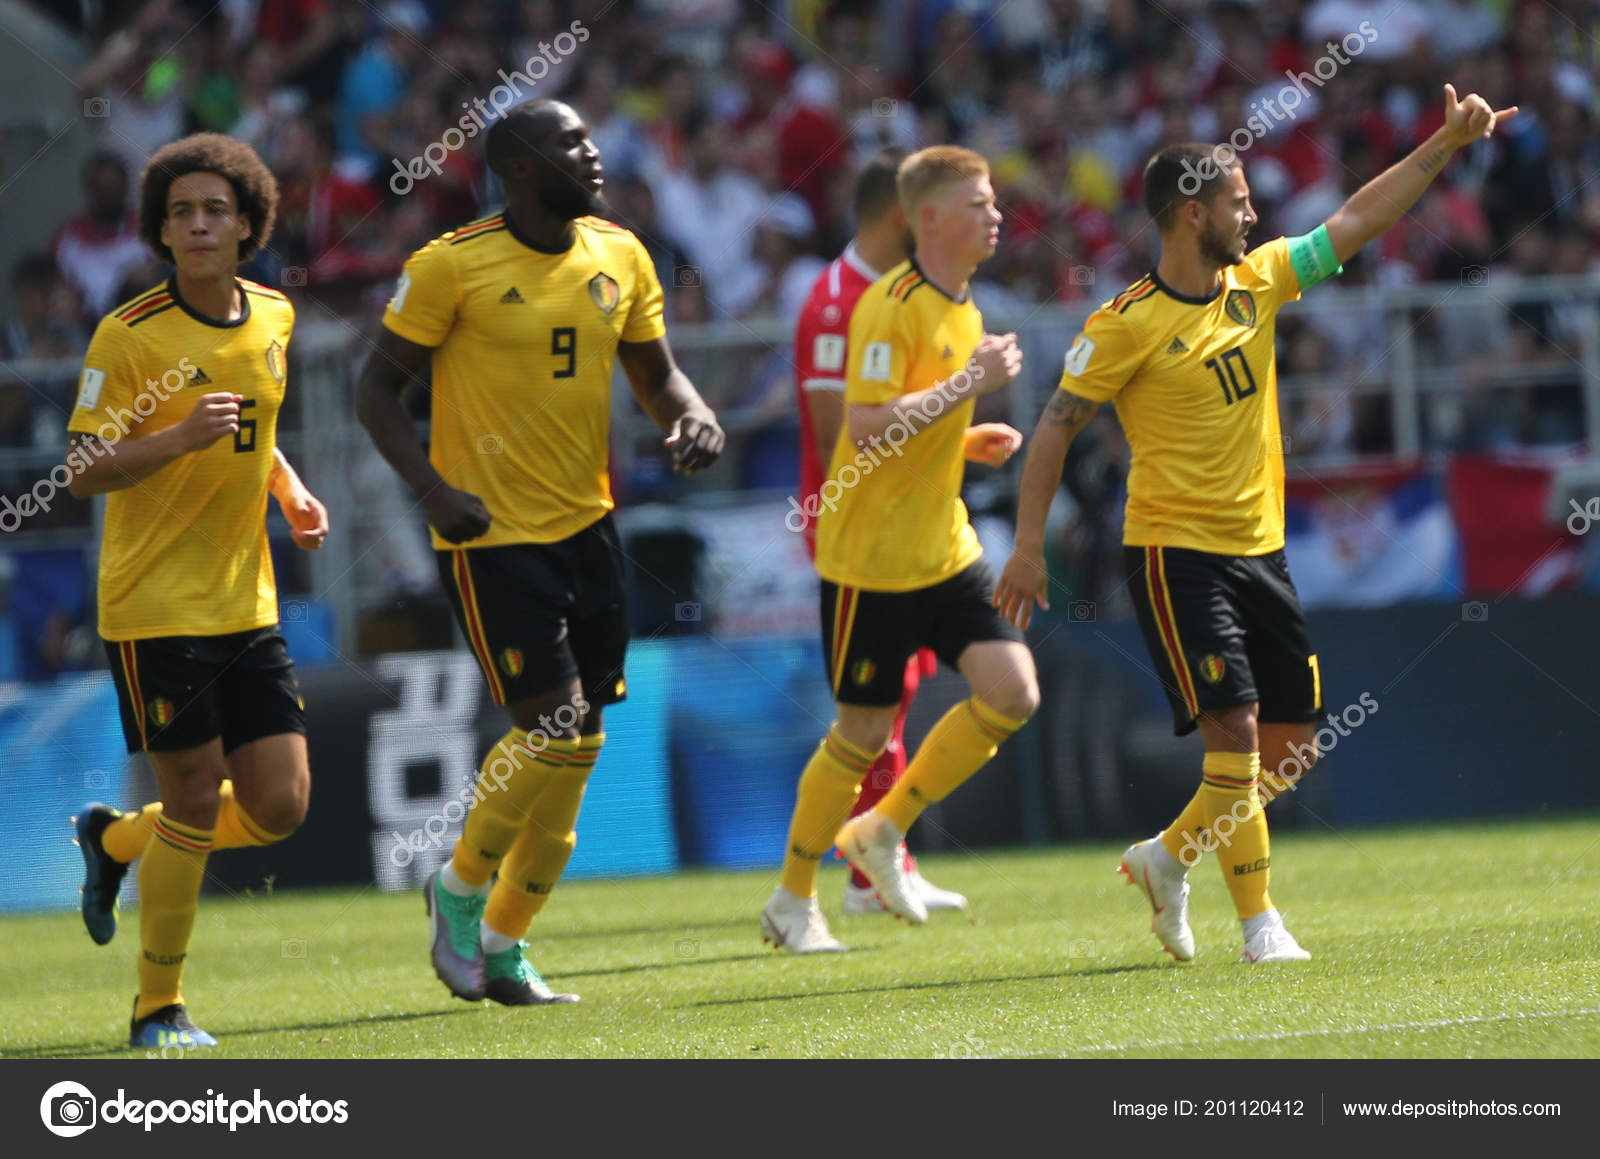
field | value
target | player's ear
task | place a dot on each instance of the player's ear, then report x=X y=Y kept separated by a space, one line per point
x=244 y=227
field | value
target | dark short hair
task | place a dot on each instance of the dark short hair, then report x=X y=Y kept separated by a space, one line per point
x=876 y=190
x=1188 y=171
x=102 y=158
x=518 y=132
x=254 y=187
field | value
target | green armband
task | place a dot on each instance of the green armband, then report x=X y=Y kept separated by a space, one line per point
x=1312 y=257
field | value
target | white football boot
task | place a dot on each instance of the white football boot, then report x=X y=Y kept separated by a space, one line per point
x=1269 y=941
x=1144 y=865
x=863 y=899
x=872 y=844
x=796 y=924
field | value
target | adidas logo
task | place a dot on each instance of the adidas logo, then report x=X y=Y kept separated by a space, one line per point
x=948 y=353
x=1177 y=347
x=511 y=298
x=201 y=378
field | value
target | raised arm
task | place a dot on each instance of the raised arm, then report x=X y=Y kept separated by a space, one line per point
x=670 y=399
x=1025 y=580
x=1381 y=202
x=380 y=405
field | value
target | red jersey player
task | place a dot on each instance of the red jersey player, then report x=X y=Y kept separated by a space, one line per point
x=882 y=241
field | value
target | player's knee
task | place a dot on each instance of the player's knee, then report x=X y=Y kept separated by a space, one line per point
x=1017 y=697
x=192 y=801
x=282 y=811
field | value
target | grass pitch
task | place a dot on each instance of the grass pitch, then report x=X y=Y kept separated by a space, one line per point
x=1476 y=940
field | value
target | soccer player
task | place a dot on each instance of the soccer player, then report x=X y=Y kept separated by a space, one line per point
x=521 y=314
x=900 y=563
x=176 y=421
x=821 y=338
x=1187 y=353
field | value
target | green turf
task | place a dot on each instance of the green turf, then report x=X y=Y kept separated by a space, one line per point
x=1467 y=940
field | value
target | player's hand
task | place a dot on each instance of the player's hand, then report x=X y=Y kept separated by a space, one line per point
x=696 y=441
x=308 y=519
x=992 y=443
x=1024 y=582
x=999 y=360
x=1471 y=119
x=456 y=515
x=213 y=416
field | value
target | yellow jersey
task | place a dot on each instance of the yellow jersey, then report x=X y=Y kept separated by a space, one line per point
x=1195 y=382
x=523 y=346
x=891 y=517
x=184 y=551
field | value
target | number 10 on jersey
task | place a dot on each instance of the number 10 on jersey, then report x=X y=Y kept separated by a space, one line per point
x=1233 y=375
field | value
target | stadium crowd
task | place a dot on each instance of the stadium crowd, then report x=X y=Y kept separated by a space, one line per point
x=730 y=133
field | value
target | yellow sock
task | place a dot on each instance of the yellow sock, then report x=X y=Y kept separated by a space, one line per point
x=539 y=856
x=510 y=780
x=236 y=828
x=961 y=743
x=1230 y=790
x=1183 y=837
x=126 y=838
x=170 y=874
x=828 y=790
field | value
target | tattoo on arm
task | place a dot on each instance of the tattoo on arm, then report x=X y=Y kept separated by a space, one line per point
x=1069 y=410
x=1432 y=161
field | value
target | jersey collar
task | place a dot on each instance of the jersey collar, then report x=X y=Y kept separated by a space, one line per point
x=511 y=228
x=206 y=319
x=852 y=258
x=961 y=301
x=1185 y=298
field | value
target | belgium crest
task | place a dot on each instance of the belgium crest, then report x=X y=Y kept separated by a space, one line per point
x=604 y=292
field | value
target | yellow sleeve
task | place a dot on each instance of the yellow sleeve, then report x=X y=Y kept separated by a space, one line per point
x=109 y=381
x=645 y=321
x=879 y=349
x=1103 y=358
x=1273 y=266
x=423 y=308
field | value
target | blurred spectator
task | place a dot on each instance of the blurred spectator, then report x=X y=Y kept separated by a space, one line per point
x=709 y=210
x=1399 y=27
x=782 y=245
x=375 y=82
x=134 y=86
x=96 y=249
x=1460 y=28
x=43 y=322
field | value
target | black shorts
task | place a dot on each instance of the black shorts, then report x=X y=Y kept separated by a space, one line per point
x=867 y=637
x=178 y=692
x=1224 y=630
x=538 y=615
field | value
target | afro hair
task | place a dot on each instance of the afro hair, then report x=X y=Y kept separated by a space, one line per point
x=254 y=187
